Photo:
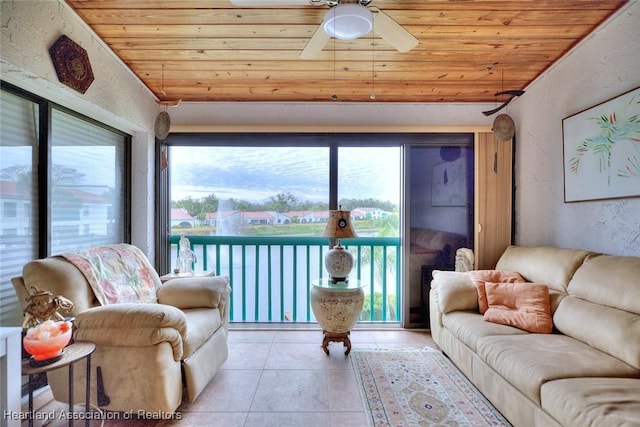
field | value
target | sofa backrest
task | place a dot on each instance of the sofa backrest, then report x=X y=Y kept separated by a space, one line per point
x=544 y=264
x=92 y=277
x=602 y=308
x=60 y=277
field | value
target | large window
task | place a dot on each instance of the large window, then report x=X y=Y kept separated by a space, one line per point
x=64 y=185
x=255 y=206
x=87 y=184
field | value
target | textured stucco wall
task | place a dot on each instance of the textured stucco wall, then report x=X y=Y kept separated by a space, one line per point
x=116 y=97
x=601 y=67
x=331 y=114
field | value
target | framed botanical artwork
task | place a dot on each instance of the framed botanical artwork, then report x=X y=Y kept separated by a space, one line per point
x=602 y=150
x=449 y=183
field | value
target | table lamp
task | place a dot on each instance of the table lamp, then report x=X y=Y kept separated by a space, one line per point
x=339 y=261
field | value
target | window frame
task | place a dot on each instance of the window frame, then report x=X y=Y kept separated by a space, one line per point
x=332 y=140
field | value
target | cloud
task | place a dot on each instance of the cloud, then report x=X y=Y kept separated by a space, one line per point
x=256 y=173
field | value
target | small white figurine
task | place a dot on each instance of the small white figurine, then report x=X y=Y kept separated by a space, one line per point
x=464 y=260
x=186 y=257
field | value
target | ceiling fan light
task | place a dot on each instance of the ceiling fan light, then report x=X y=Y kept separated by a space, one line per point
x=348 y=21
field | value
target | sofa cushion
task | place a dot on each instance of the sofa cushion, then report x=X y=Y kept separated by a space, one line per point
x=602 y=402
x=523 y=305
x=530 y=360
x=455 y=291
x=469 y=327
x=481 y=277
x=544 y=264
x=202 y=323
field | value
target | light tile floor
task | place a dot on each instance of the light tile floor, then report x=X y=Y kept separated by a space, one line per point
x=282 y=377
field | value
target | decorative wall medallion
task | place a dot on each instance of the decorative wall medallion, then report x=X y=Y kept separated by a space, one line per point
x=503 y=127
x=72 y=64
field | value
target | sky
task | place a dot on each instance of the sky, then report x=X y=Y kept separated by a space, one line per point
x=257 y=173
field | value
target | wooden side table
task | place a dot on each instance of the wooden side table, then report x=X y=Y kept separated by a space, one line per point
x=72 y=354
x=337 y=307
x=170 y=276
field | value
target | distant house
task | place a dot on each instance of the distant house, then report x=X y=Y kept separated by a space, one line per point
x=222 y=218
x=74 y=212
x=257 y=218
x=369 y=213
x=297 y=217
x=15 y=210
x=358 y=213
x=321 y=216
x=181 y=218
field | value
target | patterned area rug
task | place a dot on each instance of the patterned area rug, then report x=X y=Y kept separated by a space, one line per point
x=419 y=387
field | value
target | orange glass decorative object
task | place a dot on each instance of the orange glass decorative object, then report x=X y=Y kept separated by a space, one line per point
x=47 y=340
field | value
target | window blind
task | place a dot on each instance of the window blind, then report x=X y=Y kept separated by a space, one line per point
x=18 y=180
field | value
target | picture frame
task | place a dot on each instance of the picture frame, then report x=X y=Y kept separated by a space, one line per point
x=601 y=150
x=449 y=183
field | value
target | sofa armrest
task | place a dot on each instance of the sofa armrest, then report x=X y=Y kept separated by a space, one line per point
x=198 y=292
x=132 y=325
x=194 y=292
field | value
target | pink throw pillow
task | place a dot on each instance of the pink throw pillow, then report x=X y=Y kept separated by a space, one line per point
x=524 y=305
x=480 y=277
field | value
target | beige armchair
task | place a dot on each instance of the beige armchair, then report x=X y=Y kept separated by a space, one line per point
x=146 y=353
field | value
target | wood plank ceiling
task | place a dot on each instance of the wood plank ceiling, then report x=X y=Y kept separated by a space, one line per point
x=209 y=50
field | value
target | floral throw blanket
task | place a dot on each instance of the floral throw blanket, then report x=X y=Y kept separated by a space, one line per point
x=117 y=273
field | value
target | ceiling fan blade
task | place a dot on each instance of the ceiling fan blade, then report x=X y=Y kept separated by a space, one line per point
x=269 y=3
x=495 y=110
x=315 y=44
x=514 y=92
x=392 y=32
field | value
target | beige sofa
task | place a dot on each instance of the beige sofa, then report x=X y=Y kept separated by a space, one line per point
x=585 y=373
x=148 y=353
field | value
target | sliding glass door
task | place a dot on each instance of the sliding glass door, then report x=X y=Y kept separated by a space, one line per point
x=440 y=207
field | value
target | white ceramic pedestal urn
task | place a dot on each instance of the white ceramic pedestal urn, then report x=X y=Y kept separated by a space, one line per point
x=336 y=308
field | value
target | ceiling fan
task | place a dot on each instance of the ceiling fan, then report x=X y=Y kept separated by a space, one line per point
x=345 y=20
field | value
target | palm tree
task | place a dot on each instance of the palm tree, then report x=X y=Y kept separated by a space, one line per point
x=389 y=228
